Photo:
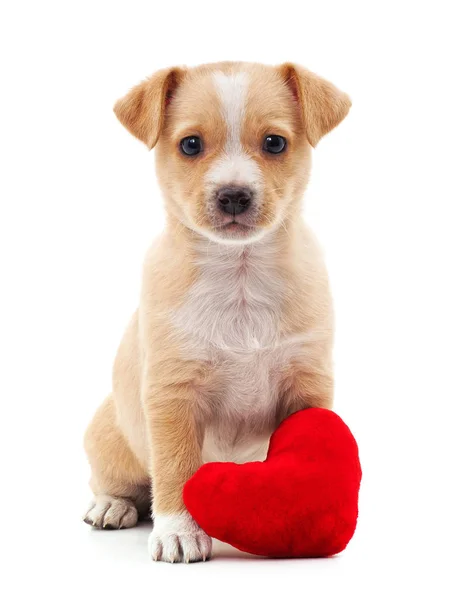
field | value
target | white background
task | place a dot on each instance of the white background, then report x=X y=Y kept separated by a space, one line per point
x=79 y=206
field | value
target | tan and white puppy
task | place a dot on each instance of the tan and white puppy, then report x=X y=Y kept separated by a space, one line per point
x=234 y=327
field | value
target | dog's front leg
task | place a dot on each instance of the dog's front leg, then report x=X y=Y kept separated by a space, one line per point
x=306 y=386
x=176 y=440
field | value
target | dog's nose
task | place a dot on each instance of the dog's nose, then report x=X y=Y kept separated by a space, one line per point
x=234 y=199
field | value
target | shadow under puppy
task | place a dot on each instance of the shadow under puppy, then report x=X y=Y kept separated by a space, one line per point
x=234 y=327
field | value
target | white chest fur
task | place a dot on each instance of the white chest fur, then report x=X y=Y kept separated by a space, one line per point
x=235 y=302
x=231 y=319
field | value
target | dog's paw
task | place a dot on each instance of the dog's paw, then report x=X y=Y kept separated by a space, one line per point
x=178 y=538
x=106 y=512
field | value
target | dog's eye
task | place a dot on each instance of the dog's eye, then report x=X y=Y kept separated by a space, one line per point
x=191 y=145
x=275 y=144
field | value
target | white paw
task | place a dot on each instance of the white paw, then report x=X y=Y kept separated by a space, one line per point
x=106 y=512
x=178 y=538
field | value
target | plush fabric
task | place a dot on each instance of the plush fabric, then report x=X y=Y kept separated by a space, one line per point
x=300 y=502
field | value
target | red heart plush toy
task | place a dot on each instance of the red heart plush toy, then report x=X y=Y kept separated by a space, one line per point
x=300 y=502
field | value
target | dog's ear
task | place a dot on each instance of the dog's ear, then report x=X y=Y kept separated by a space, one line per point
x=142 y=110
x=322 y=105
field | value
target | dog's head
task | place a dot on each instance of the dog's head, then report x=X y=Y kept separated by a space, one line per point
x=233 y=141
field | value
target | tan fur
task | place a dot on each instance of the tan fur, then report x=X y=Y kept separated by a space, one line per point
x=323 y=105
x=169 y=381
x=142 y=110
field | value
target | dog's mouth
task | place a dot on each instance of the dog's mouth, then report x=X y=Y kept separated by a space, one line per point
x=235 y=226
x=235 y=229
x=244 y=222
x=238 y=227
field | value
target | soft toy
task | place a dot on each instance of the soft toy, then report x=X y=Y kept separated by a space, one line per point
x=300 y=502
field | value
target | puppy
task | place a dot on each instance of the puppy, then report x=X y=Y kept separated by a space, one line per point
x=234 y=328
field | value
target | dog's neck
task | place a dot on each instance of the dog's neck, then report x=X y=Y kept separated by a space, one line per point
x=237 y=291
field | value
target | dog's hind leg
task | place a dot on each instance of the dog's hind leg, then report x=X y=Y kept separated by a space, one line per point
x=119 y=482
